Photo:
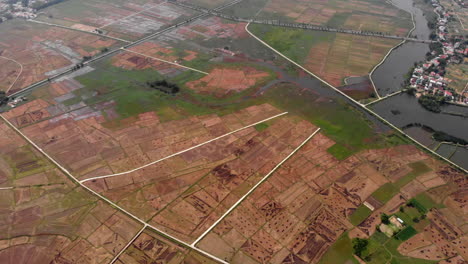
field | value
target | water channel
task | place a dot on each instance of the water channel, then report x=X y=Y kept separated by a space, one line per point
x=403 y=110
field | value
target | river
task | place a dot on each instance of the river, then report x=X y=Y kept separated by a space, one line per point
x=403 y=109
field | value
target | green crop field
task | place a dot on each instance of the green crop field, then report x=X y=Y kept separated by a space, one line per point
x=341 y=252
x=385 y=192
x=406 y=233
x=361 y=213
x=418 y=168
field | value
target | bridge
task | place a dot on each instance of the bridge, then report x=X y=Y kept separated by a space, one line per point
x=296 y=25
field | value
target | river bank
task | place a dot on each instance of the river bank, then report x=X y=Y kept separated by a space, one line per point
x=403 y=109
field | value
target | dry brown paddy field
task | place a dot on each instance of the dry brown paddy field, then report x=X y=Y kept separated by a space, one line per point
x=304 y=207
x=345 y=56
x=185 y=194
x=223 y=80
x=151 y=248
x=83 y=142
x=123 y=19
x=354 y=14
x=41 y=50
x=45 y=218
x=207 y=3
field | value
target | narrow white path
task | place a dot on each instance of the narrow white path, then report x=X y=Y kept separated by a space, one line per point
x=19 y=74
x=368 y=110
x=165 y=61
x=67 y=173
x=6 y=188
x=183 y=151
x=128 y=244
x=383 y=98
x=253 y=189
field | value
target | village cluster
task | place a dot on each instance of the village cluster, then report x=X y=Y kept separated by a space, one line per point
x=428 y=77
x=26 y=9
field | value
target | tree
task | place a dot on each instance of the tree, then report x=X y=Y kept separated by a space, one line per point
x=359 y=245
x=385 y=219
x=3 y=97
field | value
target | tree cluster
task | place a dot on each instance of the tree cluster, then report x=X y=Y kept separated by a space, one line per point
x=431 y=103
x=359 y=246
x=444 y=137
x=3 y=98
x=385 y=219
x=164 y=86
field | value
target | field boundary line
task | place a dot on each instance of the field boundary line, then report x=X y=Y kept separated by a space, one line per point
x=183 y=151
x=134 y=217
x=79 y=30
x=165 y=61
x=19 y=74
x=128 y=244
x=254 y=188
x=131 y=15
x=368 y=110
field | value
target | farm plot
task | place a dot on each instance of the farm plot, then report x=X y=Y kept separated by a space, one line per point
x=45 y=217
x=123 y=19
x=207 y=3
x=345 y=56
x=355 y=14
x=439 y=240
x=153 y=51
x=43 y=50
x=206 y=29
x=331 y=56
x=222 y=81
x=297 y=214
x=151 y=248
x=185 y=194
x=99 y=150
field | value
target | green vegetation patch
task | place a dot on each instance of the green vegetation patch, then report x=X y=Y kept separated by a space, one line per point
x=361 y=213
x=406 y=233
x=262 y=126
x=418 y=168
x=385 y=192
x=337 y=119
x=293 y=43
x=424 y=200
x=341 y=252
x=382 y=249
x=340 y=152
x=72 y=101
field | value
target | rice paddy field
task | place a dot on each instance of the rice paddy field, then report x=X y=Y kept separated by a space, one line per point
x=457 y=74
x=331 y=56
x=221 y=147
x=356 y=14
x=128 y=20
x=34 y=51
